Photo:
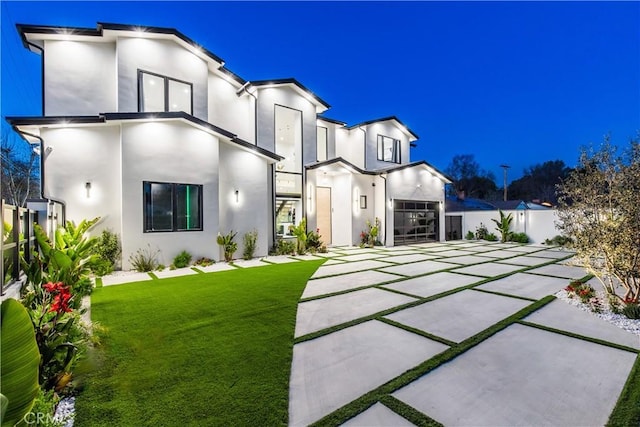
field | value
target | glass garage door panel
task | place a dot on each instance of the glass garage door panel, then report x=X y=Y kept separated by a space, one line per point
x=414 y=222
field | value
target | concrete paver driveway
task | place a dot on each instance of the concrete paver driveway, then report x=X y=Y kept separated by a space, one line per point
x=462 y=333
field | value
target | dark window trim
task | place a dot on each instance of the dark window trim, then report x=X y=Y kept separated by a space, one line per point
x=396 y=153
x=326 y=145
x=166 y=80
x=174 y=208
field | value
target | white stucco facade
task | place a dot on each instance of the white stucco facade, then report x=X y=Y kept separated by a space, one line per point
x=249 y=148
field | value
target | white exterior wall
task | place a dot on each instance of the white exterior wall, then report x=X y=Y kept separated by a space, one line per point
x=268 y=98
x=161 y=57
x=79 y=78
x=387 y=128
x=362 y=187
x=331 y=137
x=75 y=156
x=230 y=111
x=350 y=146
x=171 y=152
x=539 y=225
x=414 y=183
x=247 y=173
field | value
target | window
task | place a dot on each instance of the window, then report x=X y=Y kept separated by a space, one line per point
x=322 y=144
x=288 y=144
x=388 y=149
x=160 y=93
x=172 y=207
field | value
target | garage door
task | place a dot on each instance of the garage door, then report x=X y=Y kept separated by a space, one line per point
x=415 y=222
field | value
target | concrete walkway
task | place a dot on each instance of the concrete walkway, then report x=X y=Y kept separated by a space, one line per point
x=368 y=316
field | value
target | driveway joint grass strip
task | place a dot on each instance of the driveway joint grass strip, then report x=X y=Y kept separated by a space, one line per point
x=360 y=404
x=502 y=294
x=580 y=337
x=408 y=412
x=153 y=275
x=418 y=332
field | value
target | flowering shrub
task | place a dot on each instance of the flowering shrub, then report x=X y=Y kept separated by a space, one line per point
x=369 y=237
x=586 y=293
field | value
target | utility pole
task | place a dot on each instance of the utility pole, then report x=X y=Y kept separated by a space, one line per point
x=505 y=167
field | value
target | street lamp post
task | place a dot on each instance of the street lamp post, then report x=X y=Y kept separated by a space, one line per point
x=505 y=167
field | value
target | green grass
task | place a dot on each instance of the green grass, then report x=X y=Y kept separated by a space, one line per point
x=207 y=349
x=627 y=410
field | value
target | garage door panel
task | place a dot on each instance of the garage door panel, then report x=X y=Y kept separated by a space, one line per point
x=415 y=221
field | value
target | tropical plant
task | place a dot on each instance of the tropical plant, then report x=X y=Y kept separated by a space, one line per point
x=369 y=237
x=249 y=239
x=519 y=238
x=313 y=241
x=504 y=225
x=284 y=247
x=490 y=237
x=145 y=260
x=18 y=362
x=204 y=262
x=183 y=259
x=300 y=231
x=470 y=235
x=632 y=311
x=599 y=211
x=227 y=244
x=108 y=249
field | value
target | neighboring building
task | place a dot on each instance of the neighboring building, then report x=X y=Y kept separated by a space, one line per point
x=148 y=130
x=464 y=214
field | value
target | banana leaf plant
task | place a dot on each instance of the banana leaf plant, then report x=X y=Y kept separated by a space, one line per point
x=504 y=226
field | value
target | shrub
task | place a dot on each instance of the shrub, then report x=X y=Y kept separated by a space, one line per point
x=481 y=232
x=470 y=235
x=504 y=226
x=183 y=259
x=313 y=241
x=491 y=237
x=632 y=311
x=558 y=241
x=285 y=247
x=300 y=231
x=145 y=260
x=519 y=238
x=227 y=244
x=249 y=239
x=109 y=250
x=369 y=237
x=204 y=261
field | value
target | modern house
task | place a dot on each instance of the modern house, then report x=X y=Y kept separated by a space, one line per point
x=150 y=131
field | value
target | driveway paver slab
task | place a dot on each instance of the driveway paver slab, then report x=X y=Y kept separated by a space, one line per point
x=187 y=271
x=500 y=253
x=348 y=267
x=280 y=259
x=378 y=416
x=488 y=270
x=405 y=259
x=433 y=284
x=566 y=317
x=453 y=252
x=566 y=271
x=459 y=316
x=331 y=311
x=554 y=253
x=418 y=268
x=526 y=261
x=526 y=285
x=330 y=371
x=362 y=257
x=330 y=285
x=468 y=259
x=524 y=376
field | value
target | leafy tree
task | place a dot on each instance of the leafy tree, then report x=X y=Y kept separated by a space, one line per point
x=599 y=210
x=19 y=170
x=540 y=181
x=467 y=176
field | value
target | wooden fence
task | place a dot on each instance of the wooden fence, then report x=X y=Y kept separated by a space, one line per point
x=17 y=237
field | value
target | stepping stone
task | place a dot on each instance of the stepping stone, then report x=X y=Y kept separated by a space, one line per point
x=361 y=257
x=524 y=376
x=333 y=262
x=331 y=371
x=174 y=273
x=566 y=317
x=330 y=254
x=249 y=263
x=331 y=311
x=526 y=285
x=489 y=270
x=348 y=267
x=330 y=285
x=433 y=284
x=279 y=259
x=378 y=416
x=404 y=259
x=118 y=279
x=221 y=266
x=418 y=268
x=468 y=259
x=307 y=257
x=528 y=261
x=459 y=316
x=557 y=270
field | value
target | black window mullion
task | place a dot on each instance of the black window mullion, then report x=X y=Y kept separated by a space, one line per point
x=174 y=207
x=166 y=94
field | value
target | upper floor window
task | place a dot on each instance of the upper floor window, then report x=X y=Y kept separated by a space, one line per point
x=288 y=136
x=160 y=93
x=172 y=207
x=388 y=149
x=322 y=144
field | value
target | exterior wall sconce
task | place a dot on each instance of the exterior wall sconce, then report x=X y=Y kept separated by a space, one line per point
x=237 y=193
x=390 y=203
x=363 y=202
x=87 y=186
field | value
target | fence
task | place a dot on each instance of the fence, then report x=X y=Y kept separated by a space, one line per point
x=17 y=237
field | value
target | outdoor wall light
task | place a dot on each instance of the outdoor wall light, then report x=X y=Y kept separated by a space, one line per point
x=237 y=193
x=87 y=186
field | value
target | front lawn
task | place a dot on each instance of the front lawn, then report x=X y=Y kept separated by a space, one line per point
x=206 y=349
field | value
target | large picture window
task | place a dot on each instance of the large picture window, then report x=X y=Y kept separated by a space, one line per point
x=388 y=149
x=172 y=207
x=160 y=93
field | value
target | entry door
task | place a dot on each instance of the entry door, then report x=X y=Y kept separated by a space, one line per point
x=323 y=198
x=453 y=227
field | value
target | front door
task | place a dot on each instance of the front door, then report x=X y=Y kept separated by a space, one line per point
x=323 y=198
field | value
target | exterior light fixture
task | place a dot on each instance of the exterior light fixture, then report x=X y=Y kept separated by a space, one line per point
x=237 y=193
x=87 y=186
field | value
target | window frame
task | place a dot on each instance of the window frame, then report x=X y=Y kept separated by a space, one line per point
x=174 y=207
x=396 y=156
x=166 y=80
x=326 y=144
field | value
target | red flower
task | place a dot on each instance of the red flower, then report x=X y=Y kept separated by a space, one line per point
x=61 y=297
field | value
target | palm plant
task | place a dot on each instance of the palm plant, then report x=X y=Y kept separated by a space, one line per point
x=504 y=226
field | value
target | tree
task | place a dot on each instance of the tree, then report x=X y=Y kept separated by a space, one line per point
x=468 y=177
x=19 y=170
x=540 y=181
x=599 y=210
